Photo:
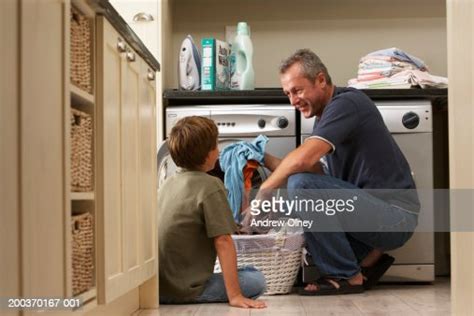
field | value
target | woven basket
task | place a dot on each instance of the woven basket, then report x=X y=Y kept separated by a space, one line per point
x=81 y=51
x=81 y=151
x=277 y=256
x=82 y=253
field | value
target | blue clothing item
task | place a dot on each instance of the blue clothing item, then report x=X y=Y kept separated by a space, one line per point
x=252 y=285
x=364 y=152
x=233 y=158
x=337 y=253
x=400 y=55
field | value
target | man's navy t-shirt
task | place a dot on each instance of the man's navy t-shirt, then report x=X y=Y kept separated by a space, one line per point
x=364 y=152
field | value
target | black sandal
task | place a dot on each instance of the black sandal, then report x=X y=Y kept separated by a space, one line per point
x=325 y=287
x=373 y=274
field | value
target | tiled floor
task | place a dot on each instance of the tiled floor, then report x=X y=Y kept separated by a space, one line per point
x=390 y=299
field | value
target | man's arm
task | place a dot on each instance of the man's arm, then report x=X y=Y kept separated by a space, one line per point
x=303 y=159
x=228 y=259
x=271 y=162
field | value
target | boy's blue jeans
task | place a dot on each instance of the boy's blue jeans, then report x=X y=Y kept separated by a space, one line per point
x=252 y=284
x=338 y=254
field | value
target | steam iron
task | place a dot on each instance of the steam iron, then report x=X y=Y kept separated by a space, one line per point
x=189 y=67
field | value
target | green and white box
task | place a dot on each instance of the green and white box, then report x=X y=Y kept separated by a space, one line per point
x=208 y=79
x=215 y=72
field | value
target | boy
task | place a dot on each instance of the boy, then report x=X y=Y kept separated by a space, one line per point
x=195 y=222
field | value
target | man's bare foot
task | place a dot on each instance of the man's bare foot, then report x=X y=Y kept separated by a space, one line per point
x=371 y=259
x=355 y=280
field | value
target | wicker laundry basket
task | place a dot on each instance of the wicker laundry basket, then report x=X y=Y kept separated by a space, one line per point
x=276 y=255
x=81 y=51
x=82 y=253
x=81 y=151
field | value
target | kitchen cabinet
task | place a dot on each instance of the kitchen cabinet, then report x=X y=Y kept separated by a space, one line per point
x=126 y=137
x=143 y=18
x=38 y=256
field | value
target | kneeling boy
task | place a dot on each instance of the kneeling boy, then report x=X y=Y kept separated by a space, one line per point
x=195 y=222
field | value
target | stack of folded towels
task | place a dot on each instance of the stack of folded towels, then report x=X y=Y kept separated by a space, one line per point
x=392 y=68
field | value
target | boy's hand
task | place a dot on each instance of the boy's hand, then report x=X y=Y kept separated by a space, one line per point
x=243 y=302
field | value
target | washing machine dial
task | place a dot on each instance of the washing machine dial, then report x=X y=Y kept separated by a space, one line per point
x=261 y=123
x=410 y=120
x=282 y=122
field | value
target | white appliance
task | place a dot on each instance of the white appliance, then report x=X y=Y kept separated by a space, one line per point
x=237 y=123
x=410 y=123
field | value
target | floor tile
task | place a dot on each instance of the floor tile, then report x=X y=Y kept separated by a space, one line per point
x=184 y=310
x=223 y=309
x=329 y=305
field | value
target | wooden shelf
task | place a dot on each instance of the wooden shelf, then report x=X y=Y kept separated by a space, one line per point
x=77 y=196
x=87 y=296
x=80 y=96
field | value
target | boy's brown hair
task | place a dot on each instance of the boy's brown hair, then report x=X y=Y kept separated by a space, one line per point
x=190 y=141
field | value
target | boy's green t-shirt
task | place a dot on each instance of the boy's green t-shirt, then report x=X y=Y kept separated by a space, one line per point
x=192 y=210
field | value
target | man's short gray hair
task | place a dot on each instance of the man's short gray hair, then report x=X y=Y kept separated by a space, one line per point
x=311 y=65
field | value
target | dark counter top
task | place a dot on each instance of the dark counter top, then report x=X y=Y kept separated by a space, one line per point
x=103 y=7
x=276 y=95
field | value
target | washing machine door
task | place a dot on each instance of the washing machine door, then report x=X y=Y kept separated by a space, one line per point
x=166 y=166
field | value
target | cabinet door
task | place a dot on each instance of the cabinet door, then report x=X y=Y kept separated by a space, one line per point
x=111 y=273
x=147 y=162
x=126 y=227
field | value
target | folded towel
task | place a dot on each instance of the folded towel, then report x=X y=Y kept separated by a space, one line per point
x=400 y=55
x=233 y=158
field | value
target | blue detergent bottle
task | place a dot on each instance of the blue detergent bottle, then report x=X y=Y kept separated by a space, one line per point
x=242 y=73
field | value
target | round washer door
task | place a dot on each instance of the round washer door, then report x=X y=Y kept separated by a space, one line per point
x=166 y=166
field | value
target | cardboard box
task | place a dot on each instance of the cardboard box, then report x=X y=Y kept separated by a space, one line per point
x=215 y=72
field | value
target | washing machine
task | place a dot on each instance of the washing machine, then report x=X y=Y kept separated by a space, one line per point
x=410 y=123
x=237 y=123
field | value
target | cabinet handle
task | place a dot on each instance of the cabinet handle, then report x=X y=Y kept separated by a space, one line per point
x=130 y=56
x=151 y=75
x=121 y=46
x=143 y=17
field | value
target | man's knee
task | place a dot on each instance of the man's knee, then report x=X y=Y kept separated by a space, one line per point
x=298 y=181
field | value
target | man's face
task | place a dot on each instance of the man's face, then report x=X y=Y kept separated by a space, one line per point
x=308 y=97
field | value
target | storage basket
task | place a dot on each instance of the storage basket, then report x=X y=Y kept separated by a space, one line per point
x=82 y=253
x=81 y=51
x=276 y=255
x=81 y=151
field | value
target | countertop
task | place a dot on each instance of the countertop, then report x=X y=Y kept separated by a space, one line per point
x=276 y=95
x=103 y=7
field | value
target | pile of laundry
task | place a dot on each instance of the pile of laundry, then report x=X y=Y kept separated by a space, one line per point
x=392 y=68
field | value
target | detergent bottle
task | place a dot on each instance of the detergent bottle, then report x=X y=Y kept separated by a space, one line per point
x=242 y=73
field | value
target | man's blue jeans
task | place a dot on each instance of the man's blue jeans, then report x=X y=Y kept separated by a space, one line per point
x=252 y=284
x=338 y=253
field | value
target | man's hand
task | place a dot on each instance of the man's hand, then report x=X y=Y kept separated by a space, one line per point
x=243 y=302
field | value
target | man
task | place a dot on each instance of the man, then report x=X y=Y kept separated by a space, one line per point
x=361 y=154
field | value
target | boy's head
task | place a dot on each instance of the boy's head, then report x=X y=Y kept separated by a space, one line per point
x=193 y=143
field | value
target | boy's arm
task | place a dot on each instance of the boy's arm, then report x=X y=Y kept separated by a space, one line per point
x=228 y=260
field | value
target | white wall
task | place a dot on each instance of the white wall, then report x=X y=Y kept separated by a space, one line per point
x=339 y=31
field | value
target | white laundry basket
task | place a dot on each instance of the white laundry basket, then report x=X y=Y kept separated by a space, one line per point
x=276 y=255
